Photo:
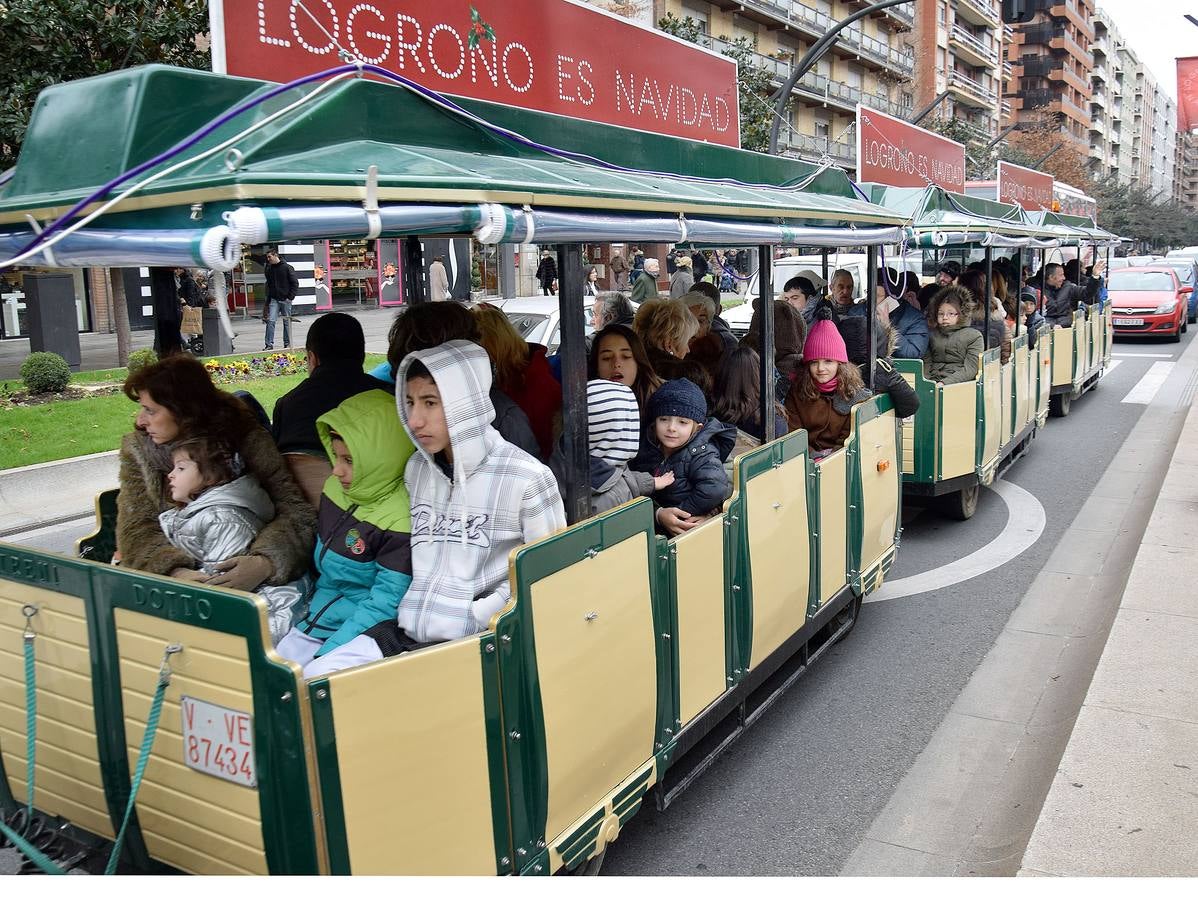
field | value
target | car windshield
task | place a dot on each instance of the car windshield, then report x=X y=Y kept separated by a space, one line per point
x=526 y=323
x=1141 y=281
x=1185 y=271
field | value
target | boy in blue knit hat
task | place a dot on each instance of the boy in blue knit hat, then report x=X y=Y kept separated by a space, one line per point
x=682 y=440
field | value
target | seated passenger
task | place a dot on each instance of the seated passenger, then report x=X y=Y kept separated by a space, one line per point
x=992 y=327
x=363 y=553
x=683 y=441
x=427 y=325
x=618 y=354
x=822 y=397
x=474 y=498
x=798 y=292
x=220 y=508
x=614 y=428
x=336 y=352
x=667 y=329
x=521 y=372
x=718 y=326
x=706 y=347
x=1032 y=316
x=790 y=331
x=954 y=346
x=738 y=395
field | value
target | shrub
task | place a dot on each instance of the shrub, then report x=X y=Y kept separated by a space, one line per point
x=45 y=373
x=139 y=359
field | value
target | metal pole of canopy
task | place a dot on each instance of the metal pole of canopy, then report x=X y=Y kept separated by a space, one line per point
x=765 y=308
x=574 y=382
x=871 y=314
x=1018 y=289
x=413 y=271
x=824 y=273
x=987 y=297
x=1043 y=277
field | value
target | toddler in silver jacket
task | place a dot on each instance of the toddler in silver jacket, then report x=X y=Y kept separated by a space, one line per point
x=220 y=511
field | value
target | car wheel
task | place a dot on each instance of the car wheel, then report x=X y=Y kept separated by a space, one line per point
x=1175 y=337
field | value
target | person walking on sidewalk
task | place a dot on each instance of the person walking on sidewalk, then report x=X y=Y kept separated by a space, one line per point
x=281 y=288
x=438 y=279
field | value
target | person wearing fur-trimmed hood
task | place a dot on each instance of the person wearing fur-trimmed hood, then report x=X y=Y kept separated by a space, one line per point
x=954 y=346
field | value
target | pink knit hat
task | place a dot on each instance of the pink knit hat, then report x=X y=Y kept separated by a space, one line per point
x=824 y=342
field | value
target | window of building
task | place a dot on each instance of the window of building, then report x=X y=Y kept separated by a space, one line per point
x=854 y=75
x=699 y=12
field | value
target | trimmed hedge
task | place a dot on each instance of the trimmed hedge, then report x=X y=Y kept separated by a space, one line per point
x=45 y=373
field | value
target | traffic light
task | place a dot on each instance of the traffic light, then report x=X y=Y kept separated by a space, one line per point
x=1017 y=11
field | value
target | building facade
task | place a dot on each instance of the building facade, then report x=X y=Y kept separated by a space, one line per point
x=1185 y=188
x=1106 y=100
x=1051 y=65
x=961 y=53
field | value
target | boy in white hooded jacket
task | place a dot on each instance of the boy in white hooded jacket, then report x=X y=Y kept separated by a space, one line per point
x=475 y=498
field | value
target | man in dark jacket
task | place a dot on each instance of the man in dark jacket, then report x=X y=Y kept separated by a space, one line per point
x=1061 y=297
x=336 y=350
x=281 y=287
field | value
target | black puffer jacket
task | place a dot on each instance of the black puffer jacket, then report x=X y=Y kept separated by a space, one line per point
x=700 y=483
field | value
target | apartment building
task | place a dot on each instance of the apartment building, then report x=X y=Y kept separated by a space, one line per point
x=1185 y=188
x=1106 y=100
x=1051 y=68
x=960 y=52
x=873 y=62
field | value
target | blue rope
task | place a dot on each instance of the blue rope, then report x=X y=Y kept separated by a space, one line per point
x=30 y=719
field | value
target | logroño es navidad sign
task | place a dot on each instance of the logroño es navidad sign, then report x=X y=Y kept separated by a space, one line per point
x=556 y=56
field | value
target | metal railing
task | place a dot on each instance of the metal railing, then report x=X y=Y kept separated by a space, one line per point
x=987 y=9
x=975 y=88
x=839 y=151
x=961 y=36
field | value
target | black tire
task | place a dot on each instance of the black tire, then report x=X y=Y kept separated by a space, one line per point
x=1058 y=405
x=854 y=610
x=962 y=504
x=1175 y=337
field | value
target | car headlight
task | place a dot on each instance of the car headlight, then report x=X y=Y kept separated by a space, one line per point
x=1167 y=307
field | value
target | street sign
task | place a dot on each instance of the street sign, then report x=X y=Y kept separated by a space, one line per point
x=1024 y=187
x=891 y=151
x=556 y=56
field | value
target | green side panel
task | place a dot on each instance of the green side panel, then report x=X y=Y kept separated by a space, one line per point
x=523 y=715
x=665 y=618
x=284 y=799
x=496 y=761
x=101 y=546
x=328 y=771
x=925 y=456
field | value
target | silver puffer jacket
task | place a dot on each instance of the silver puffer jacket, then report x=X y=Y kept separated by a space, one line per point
x=222 y=523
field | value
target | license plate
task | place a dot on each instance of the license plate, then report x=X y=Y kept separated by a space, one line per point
x=219 y=741
x=1123 y=321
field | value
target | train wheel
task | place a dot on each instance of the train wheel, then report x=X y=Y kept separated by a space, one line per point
x=1058 y=406
x=852 y=613
x=962 y=504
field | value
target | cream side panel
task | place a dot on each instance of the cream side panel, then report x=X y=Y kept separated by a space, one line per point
x=779 y=558
x=699 y=560
x=880 y=488
x=188 y=816
x=833 y=525
x=1008 y=398
x=421 y=714
x=1062 y=356
x=68 y=778
x=994 y=410
x=958 y=429
x=597 y=668
x=1023 y=383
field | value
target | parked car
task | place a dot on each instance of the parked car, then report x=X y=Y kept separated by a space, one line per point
x=536 y=318
x=1131 y=262
x=1149 y=301
x=1183 y=253
x=1187 y=273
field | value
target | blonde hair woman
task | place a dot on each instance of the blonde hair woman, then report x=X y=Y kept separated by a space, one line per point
x=667 y=329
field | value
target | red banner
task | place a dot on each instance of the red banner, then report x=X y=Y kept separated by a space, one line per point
x=1187 y=93
x=891 y=151
x=1024 y=187
x=556 y=56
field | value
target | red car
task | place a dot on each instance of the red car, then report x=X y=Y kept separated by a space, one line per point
x=1148 y=300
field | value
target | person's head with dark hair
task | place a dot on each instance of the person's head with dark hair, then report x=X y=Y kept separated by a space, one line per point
x=1072 y=270
x=798 y=291
x=910 y=287
x=738 y=388
x=706 y=287
x=427 y=325
x=335 y=339
x=199 y=463
x=178 y=400
x=1054 y=275
x=618 y=354
x=975 y=282
x=272 y=257
x=949 y=272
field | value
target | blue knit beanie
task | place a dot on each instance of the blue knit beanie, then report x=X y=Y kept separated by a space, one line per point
x=680 y=397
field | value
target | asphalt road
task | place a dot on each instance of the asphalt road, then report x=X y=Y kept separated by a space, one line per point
x=797 y=793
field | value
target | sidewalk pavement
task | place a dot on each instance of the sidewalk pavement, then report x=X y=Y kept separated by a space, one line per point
x=98 y=351
x=1125 y=797
x=42 y=494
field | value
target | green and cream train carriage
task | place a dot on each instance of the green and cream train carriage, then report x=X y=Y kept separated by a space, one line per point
x=963 y=434
x=624 y=662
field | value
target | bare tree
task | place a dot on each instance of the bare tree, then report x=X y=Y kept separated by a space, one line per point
x=119 y=311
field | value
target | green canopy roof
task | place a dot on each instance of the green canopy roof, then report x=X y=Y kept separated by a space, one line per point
x=1073 y=228
x=86 y=132
x=967 y=219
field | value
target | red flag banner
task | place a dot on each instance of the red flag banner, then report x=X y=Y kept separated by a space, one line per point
x=1187 y=93
x=556 y=56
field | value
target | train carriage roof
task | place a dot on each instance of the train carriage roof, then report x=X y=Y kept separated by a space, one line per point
x=1075 y=227
x=317 y=159
x=941 y=217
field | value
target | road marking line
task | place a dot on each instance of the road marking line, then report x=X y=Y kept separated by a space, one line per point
x=1142 y=355
x=1025 y=523
x=1111 y=368
x=1148 y=386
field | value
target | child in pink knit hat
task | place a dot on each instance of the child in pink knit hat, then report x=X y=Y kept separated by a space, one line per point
x=822 y=396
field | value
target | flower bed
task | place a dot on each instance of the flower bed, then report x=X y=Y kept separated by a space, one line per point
x=248 y=368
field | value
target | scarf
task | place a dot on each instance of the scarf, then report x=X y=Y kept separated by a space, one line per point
x=829 y=386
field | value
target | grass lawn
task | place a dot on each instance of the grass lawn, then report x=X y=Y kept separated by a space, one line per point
x=52 y=431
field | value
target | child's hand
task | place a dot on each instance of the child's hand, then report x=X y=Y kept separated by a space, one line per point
x=663 y=481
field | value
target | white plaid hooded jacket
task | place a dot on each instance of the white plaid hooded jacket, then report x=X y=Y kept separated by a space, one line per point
x=505 y=497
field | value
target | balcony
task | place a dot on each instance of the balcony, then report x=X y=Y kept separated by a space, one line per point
x=903 y=16
x=1098 y=98
x=971 y=93
x=979 y=12
x=970 y=49
x=810 y=146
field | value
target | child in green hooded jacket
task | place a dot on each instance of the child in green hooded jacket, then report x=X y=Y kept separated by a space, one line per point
x=363 y=553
